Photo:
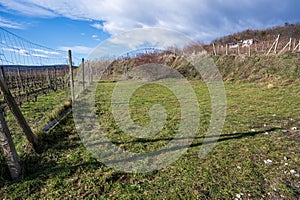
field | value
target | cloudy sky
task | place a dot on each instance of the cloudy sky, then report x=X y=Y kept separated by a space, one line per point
x=82 y=24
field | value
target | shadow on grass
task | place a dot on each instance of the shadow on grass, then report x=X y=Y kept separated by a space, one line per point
x=221 y=138
x=64 y=137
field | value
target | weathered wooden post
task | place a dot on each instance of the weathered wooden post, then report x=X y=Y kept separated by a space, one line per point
x=8 y=148
x=90 y=74
x=276 y=45
x=249 y=50
x=20 y=79
x=71 y=75
x=214 y=49
x=18 y=115
x=55 y=79
x=3 y=73
x=226 y=50
x=290 y=44
x=83 y=80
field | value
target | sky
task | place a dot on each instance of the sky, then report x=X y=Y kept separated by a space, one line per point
x=81 y=25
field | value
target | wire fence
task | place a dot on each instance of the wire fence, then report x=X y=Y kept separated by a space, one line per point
x=28 y=70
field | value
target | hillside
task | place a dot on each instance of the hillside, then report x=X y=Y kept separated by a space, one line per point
x=287 y=30
x=257 y=68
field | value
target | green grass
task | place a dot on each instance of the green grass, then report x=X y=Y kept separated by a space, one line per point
x=66 y=170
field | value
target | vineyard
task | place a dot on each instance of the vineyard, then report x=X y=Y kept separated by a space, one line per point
x=27 y=83
x=43 y=156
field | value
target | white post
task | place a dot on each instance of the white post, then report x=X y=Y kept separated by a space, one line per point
x=214 y=48
x=276 y=45
x=226 y=49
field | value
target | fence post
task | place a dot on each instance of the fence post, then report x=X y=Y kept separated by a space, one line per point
x=90 y=74
x=20 y=79
x=276 y=45
x=8 y=148
x=55 y=79
x=71 y=75
x=3 y=73
x=249 y=50
x=226 y=49
x=214 y=48
x=18 y=115
x=48 y=78
x=83 y=81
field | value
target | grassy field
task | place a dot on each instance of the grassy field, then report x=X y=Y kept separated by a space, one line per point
x=257 y=155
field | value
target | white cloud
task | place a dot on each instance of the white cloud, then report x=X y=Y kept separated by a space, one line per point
x=28 y=7
x=39 y=55
x=17 y=50
x=97 y=26
x=46 y=52
x=77 y=49
x=10 y=24
x=204 y=20
x=140 y=39
x=94 y=36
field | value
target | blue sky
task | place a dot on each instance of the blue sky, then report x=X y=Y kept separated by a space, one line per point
x=81 y=25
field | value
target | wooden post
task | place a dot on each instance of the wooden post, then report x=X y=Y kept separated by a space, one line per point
x=18 y=115
x=255 y=49
x=3 y=73
x=276 y=45
x=90 y=74
x=290 y=44
x=55 y=79
x=48 y=78
x=249 y=50
x=71 y=75
x=9 y=150
x=214 y=48
x=20 y=79
x=125 y=71
x=294 y=44
x=83 y=81
x=226 y=50
x=4 y=77
x=238 y=49
x=297 y=47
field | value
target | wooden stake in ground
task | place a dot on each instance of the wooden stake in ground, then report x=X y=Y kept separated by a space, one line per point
x=8 y=148
x=214 y=48
x=71 y=75
x=249 y=50
x=18 y=115
x=83 y=81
